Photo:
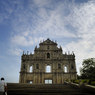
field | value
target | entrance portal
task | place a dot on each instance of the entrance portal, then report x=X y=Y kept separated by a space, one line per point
x=48 y=81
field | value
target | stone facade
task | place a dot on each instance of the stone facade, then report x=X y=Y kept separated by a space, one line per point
x=48 y=64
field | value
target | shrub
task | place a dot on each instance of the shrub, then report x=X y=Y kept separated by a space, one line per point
x=67 y=80
x=85 y=80
x=75 y=81
x=91 y=81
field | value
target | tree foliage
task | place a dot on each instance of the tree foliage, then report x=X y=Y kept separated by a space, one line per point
x=88 y=69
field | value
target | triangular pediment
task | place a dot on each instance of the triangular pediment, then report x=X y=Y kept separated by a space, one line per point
x=48 y=41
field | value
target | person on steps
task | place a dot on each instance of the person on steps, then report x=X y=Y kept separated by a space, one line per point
x=3 y=87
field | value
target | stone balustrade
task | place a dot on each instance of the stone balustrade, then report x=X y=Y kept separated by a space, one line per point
x=82 y=86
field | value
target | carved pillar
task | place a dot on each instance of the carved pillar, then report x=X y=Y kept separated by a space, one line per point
x=57 y=77
x=34 y=78
x=62 y=78
x=43 y=78
x=39 y=77
x=25 y=78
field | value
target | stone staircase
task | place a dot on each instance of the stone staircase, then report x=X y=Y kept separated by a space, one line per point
x=42 y=89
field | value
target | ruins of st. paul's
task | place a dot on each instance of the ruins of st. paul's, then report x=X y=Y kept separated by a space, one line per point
x=48 y=64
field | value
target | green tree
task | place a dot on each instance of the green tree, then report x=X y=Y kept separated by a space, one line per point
x=88 y=69
x=78 y=76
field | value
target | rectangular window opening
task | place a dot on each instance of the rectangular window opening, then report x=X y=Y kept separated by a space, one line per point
x=48 y=81
x=30 y=82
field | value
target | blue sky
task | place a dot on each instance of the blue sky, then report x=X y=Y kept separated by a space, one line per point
x=24 y=23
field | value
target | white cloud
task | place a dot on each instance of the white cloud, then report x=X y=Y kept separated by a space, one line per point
x=25 y=41
x=43 y=19
x=19 y=40
x=82 y=17
x=40 y=3
x=15 y=51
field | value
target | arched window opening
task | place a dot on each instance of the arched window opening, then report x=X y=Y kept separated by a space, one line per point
x=65 y=69
x=31 y=68
x=59 y=66
x=47 y=47
x=48 y=55
x=72 y=66
x=48 y=68
x=37 y=66
x=23 y=66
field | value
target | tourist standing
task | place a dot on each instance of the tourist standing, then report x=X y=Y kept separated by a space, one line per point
x=3 y=87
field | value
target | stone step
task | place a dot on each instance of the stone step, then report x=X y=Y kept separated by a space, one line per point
x=42 y=89
x=67 y=93
x=11 y=85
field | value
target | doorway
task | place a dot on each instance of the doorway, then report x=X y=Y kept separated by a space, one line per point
x=48 y=81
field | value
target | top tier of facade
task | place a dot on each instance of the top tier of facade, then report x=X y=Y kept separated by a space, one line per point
x=49 y=46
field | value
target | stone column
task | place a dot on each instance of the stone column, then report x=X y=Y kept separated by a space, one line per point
x=34 y=78
x=42 y=78
x=57 y=77
x=39 y=77
x=62 y=78
x=63 y=68
x=25 y=78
